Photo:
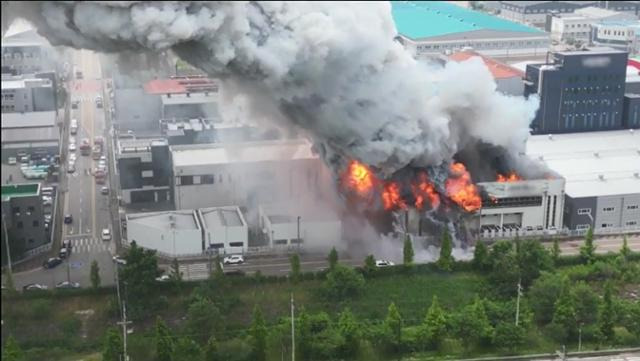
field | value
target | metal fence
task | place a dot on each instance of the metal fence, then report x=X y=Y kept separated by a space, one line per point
x=558 y=234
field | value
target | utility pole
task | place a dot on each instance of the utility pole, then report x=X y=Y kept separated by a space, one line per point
x=6 y=243
x=124 y=324
x=68 y=269
x=518 y=303
x=298 y=232
x=293 y=331
x=580 y=337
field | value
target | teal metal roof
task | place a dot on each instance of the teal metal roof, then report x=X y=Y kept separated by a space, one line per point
x=423 y=19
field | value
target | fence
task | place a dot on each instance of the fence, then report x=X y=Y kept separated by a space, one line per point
x=558 y=234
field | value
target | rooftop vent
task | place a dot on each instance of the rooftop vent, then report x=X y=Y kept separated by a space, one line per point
x=601 y=177
x=596 y=154
x=550 y=136
x=168 y=95
x=636 y=174
x=188 y=95
x=631 y=131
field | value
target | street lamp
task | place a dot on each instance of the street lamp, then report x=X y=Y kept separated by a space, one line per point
x=298 y=232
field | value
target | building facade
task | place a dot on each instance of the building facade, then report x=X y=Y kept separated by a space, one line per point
x=172 y=234
x=144 y=171
x=535 y=12
x=22 y=219
x=24 y=94
x=631 y=111
x=579 y=91
x=622 y=35
x=224 y=229
x=35 y=133
x=28 y=53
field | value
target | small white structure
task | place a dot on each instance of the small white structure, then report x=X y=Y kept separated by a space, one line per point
x=225 y=229
x=282 y=224
x=173 y=233
x=577 y=26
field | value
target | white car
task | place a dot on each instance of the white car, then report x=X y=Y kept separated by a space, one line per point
x=119 y=260
x=72 y=147
x=67 y=284
x=34 y=286
x=383 y=263
x=163 y=278
x=103 y=158
x=234 y=259
x=102 y=165
x=106 y=234
x=12 y=160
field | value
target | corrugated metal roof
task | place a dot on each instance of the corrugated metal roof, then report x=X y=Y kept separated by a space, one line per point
x=498 y=70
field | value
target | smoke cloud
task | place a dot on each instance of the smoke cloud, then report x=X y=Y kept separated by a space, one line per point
x=332 y=69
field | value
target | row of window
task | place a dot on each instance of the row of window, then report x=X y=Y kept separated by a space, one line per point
x=8 y=108
x=618 y=32
x=595 y=77
x=606 y=225
x=221 y=245
x=582 y=211
x=588 y=120
x=485 y=45
x=8 y=55
x=20 y=224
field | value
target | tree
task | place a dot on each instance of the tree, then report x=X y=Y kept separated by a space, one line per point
x=607 y=314
x=12 y=351
x=564 y=316
x=350 y=331
x=555 y=252
x=258 y=332
x=8 y=282
x=303 y=337
x=588 y=250
x=481 y=261
x=95 y=274
x=434 y=327
x=631 y=317
x=343 y=282
x=186 y=349
x=112 y=347
x=164 y=342
x=139 y=274
x=176 y=275
x=543 y=295
x=625 y=251
x=203 y=318
x=211 y=350
x=446 y=259
x=508 y=336
x=472 y=324
x=369 y=264
x=586 y=303
x=407 y=251
x=295 y=267
x=333 y=258
x=532 y=259
x=393 y=327
x=505 y=272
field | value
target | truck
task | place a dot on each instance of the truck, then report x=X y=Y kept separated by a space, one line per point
x=85 y=147
x=96 y=153
x=100 y=175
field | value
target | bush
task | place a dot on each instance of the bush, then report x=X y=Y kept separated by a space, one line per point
x=41 y=308
x=343 y=282
x=70 y=326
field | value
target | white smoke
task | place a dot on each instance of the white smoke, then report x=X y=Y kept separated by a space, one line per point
x=333 y=69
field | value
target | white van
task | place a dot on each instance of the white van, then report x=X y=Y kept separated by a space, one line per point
x=74 y=126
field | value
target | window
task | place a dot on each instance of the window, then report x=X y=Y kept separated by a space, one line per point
x=207 y=179
x=36 y=223
x=16 y=209
x=236 y=244
x=608 y=209
x=582 y=226
x=584 y=210
x=631 y=223
x=31 y=209
x=220 y=178
x=280 y=241
x=19 y=225
x=186 y=180
x=634 y=206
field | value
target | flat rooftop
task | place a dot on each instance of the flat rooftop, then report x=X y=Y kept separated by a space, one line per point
x=29 y=119
x=20 y=190
x=250 y=152
x=189 y=98
x=426 y=19
x=222 y=217
x=593 y=51
x=593 y=163
x=185 y=84
x=181 y=220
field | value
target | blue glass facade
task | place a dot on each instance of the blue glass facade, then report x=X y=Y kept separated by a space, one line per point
x=579 y=91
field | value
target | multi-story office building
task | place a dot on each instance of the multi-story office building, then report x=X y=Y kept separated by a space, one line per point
x=579 y=91
x=144 y=170
x=22 y=219
x=24 y=94
x=622 y=35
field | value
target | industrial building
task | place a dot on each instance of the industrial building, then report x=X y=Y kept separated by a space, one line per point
x=579 y=25
x=24 y=94
x=579 y=91
x=136 y=110
x=22 y=219
x=602 y=174
x=224 y=229
x=245 y=174
x=526 y=207
x=143 y=170
x=186 y=96
x=213 y=130
x=535 y=12
x=622 y=35
x=434 y=27
x=283 y=225
x=171 y=234
x=631 y=111
x=508 y=79
x=26 y=53
x=35 y=133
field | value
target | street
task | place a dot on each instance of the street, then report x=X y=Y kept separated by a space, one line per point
x=604 y=244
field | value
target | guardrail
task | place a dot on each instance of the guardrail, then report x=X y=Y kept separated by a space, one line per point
x=558 y=234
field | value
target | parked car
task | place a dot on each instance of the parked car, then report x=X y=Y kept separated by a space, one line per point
x=67 y=244
x=71 y=168
x=119 y=260
x=234 y=259
x=12 y=160
x=163 y=278
x=384 y=263
x=67 y=285
x=68 y=219
x=103 y=158
x=64 y=253
x=106 y=234
x=52 y=262
x=72 y=147
x=47 y=218
x=104 y=190
x=35 y=287
x=47 y=201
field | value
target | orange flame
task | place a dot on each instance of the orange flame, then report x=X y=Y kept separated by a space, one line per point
x=391 y=198
x=359 y=178
x=460 y=189
x=423 y=189
x=510 y=177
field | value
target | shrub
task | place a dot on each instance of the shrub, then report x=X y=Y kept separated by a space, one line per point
x=343 y=282
x=41 y=308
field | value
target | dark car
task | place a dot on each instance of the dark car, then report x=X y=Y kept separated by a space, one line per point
x=68 y=219
x=52 y=262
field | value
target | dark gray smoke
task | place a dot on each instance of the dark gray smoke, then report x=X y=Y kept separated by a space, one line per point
x=333 y=69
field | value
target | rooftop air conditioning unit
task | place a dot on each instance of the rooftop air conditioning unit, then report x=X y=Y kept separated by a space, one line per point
x=596 y=154
x=601 y=177
x=550 y=136
x=636 y=174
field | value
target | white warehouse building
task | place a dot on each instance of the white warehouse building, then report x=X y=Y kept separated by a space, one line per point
x=225 y=229
x=172 y=234
x=246 y=174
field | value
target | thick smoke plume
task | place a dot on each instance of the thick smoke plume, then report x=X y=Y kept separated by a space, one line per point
x=333 y=69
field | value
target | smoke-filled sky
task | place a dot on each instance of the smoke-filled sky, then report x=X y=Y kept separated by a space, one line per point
x=333 y=69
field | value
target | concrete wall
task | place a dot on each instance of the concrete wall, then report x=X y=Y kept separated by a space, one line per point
x=613 y=211
x=174 y=242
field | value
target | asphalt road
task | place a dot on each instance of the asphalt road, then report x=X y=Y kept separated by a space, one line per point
x=604 y=244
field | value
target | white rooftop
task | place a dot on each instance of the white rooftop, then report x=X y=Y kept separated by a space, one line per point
x=192 y=98
x=179 y=220
x=596 y=12
x=593 y=163
x=29 y=119
x=216 y=217
x=226 y=153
